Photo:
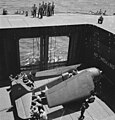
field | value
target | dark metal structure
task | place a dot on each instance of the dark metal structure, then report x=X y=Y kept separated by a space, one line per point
x=88 y=44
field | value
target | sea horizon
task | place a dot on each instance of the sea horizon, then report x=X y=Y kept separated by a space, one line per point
x=61 y=6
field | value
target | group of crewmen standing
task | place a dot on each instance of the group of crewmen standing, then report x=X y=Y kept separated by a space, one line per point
x=44 y=9
x=37 y=109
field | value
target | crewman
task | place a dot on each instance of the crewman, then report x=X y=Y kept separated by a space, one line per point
x=91 y=98
x=100 y=20
x=86 y=103
x=36 y=98
x=104 y=13
x=100 y=12
x=65 y=76
x=49 y=9
x=40 y=11
x=12 y=78
x=70 y=75
x=84 y=106
x=16 y=12
x=31 y=76
x=4 y=12
x=43 y=114
x=26 y=13
x=45 y=9
x=52 y=8
x=28 y=82
x=74 y=72
x=34 y=111
x=34 y=9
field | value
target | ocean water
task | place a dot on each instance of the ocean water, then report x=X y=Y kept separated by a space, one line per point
x=27 y=53
x=61 y=5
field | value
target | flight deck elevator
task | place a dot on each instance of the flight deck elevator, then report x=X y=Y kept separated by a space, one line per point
x=88 y=45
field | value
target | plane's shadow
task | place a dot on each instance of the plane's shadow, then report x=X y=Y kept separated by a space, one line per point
x=13 y=109
x=66 y=110
x=16 y=92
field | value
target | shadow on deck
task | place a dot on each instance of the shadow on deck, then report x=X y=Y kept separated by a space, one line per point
x=107 y=94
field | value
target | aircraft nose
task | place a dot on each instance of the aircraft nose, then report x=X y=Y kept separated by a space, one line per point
x=95 y=71
x=96 y=74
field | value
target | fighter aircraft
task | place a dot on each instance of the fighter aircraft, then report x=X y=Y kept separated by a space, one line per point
x=72 y=85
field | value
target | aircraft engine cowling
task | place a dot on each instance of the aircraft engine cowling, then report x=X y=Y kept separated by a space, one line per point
x=95 y=72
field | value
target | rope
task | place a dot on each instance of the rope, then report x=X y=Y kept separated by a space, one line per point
x=51 y=46
x=33 y=47
x=54 y=48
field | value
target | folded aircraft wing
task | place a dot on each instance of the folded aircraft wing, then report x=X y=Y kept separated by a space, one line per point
x=23 y=105
x=22 y=96
x=55 y=72
x=74 y=88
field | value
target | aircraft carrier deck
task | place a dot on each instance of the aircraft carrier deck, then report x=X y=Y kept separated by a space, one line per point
x=101 y=53
x=20 y=21
x=96 y=111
